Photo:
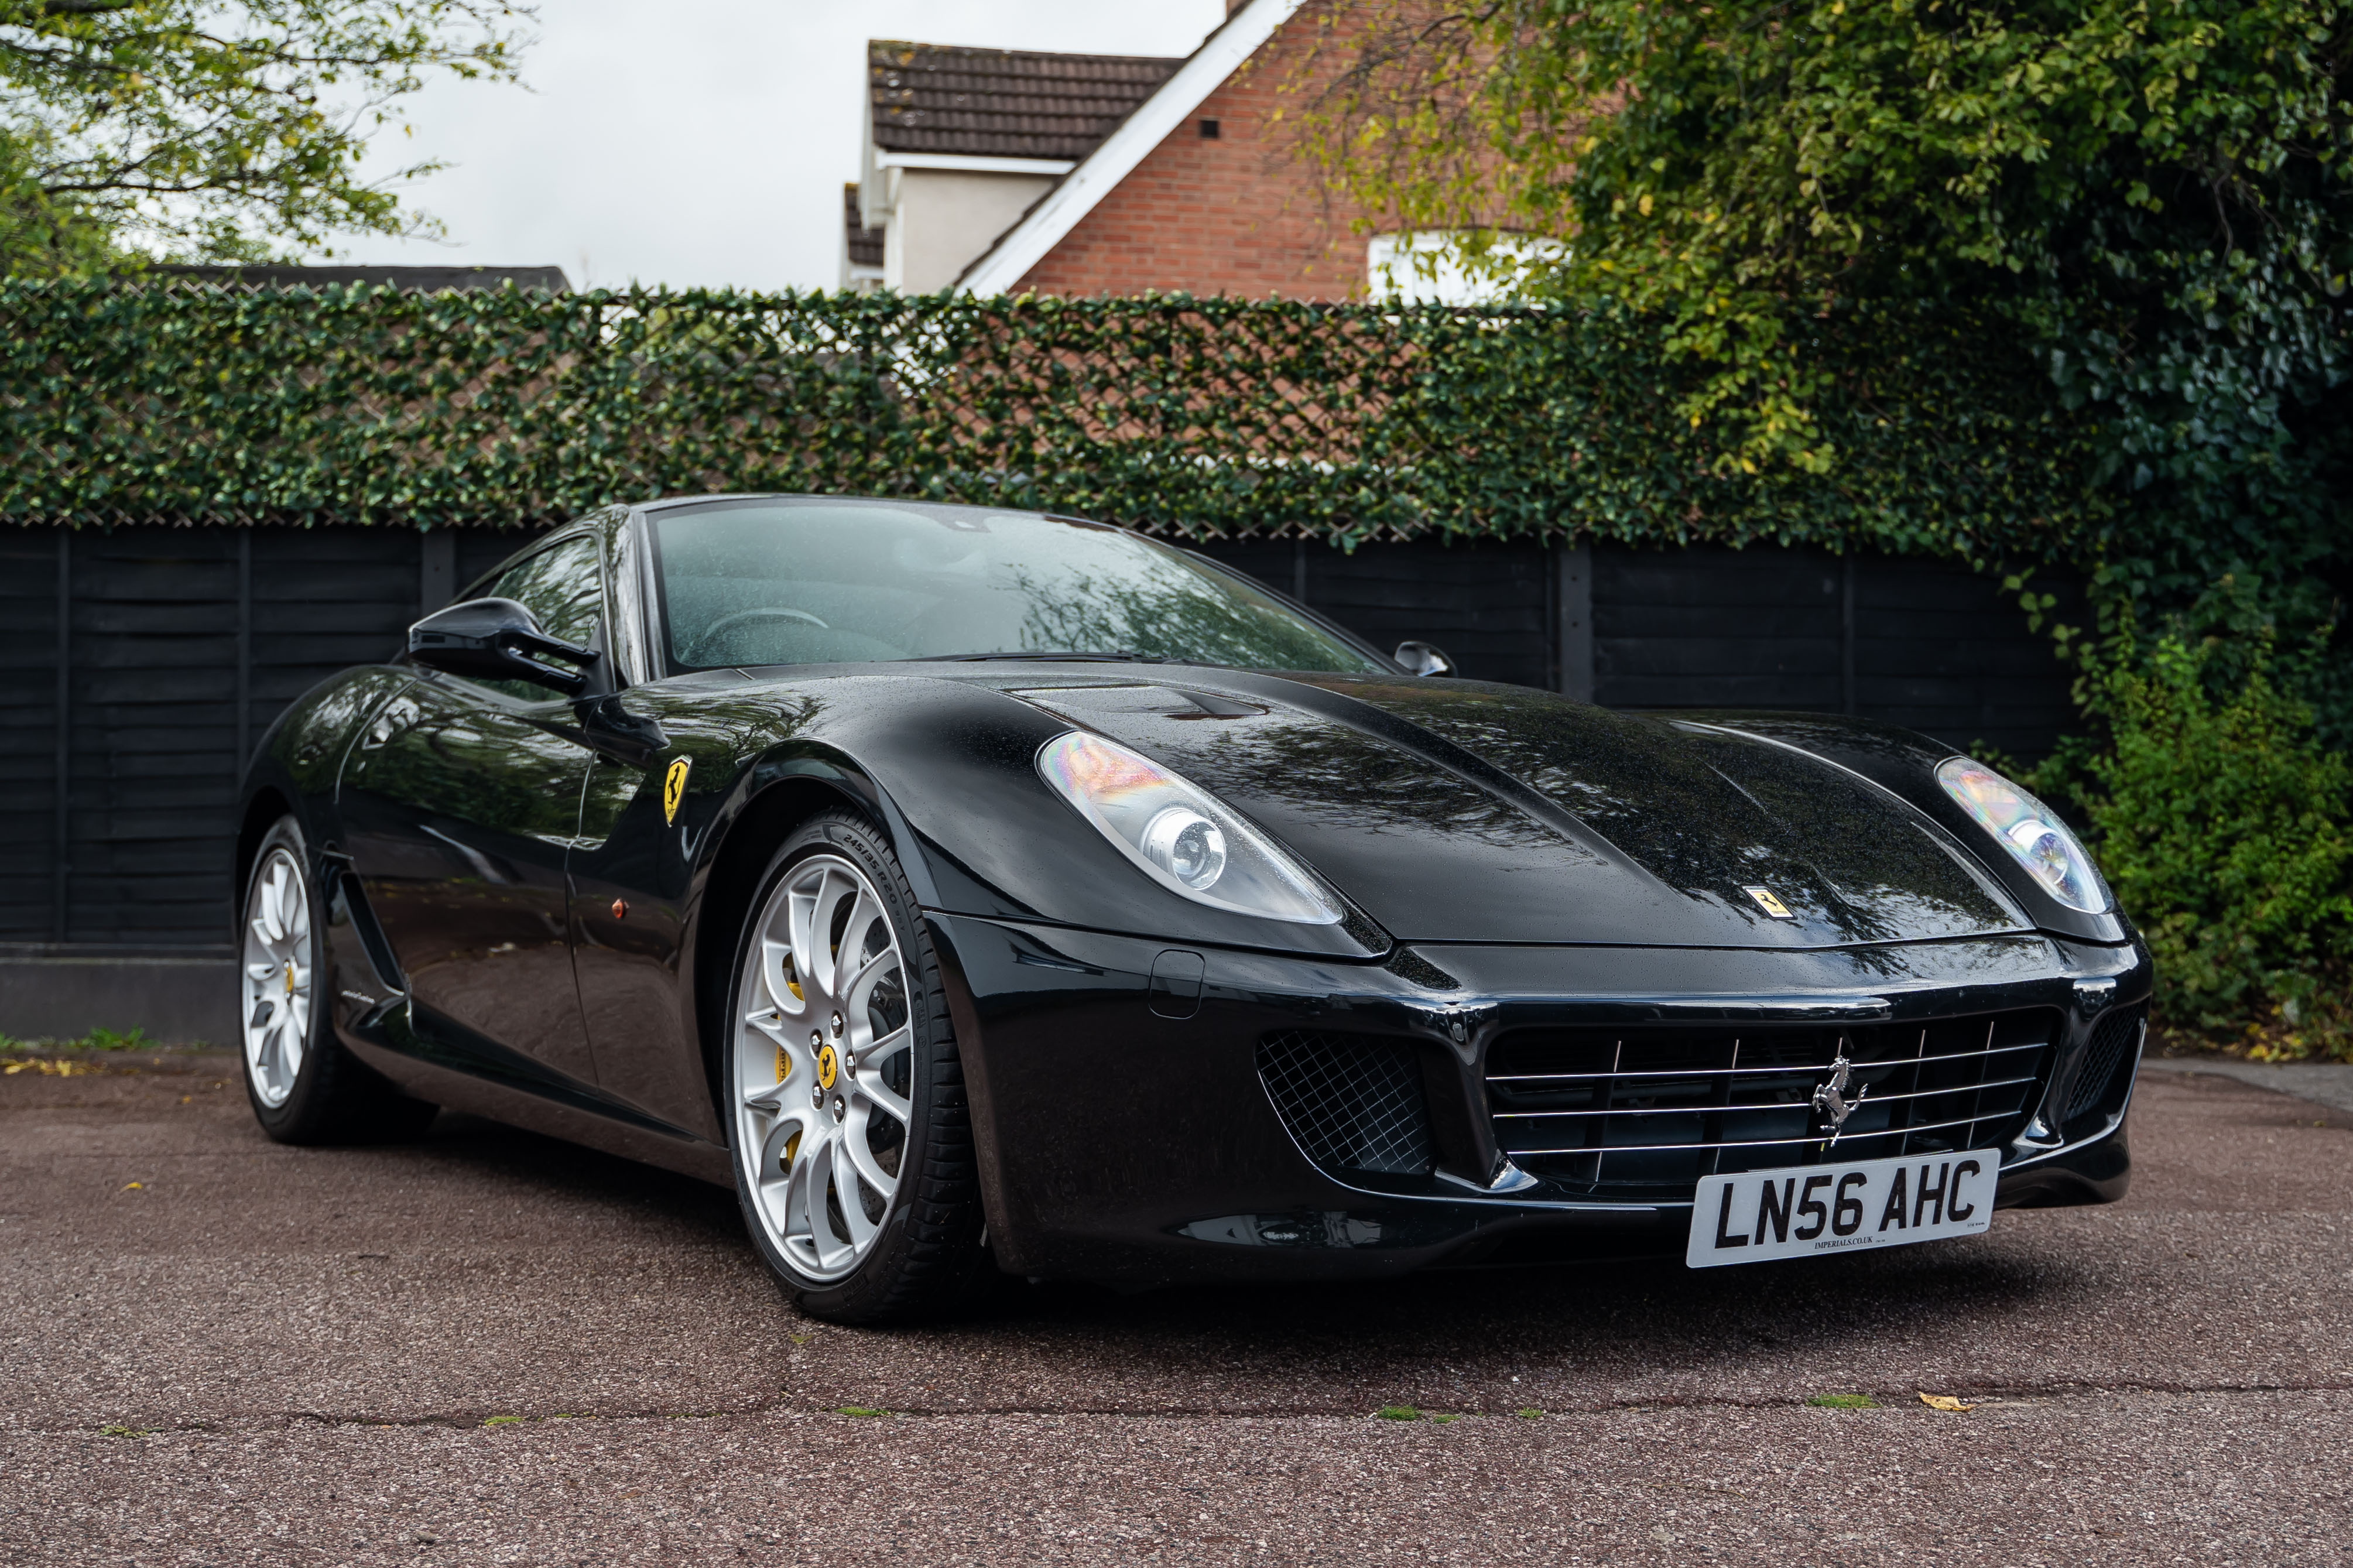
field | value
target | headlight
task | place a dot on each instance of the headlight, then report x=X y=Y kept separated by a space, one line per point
x=1180 y=837
x=2028 y=830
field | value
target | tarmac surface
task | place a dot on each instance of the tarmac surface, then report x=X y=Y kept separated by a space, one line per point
x=487 y=1347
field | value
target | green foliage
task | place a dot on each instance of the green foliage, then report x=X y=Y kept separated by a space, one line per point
x=2151 y=202
x=44 y=235
x=1189 y=417
x=2227 y=831
x=97 y=1039
x=215 y=130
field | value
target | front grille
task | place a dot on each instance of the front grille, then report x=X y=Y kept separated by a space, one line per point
x=1643 y=1113
x=2102 y=1082
x=1354 y=1102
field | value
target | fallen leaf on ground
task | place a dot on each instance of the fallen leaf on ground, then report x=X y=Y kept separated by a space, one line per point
x=1943 y=1402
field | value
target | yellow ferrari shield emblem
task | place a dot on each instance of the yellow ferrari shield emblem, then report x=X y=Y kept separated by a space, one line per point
x=1769 y=903
x=829 y=1067
x=674 y=788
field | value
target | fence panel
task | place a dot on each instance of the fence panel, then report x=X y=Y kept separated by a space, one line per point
x=185 y=644
x=31 y=875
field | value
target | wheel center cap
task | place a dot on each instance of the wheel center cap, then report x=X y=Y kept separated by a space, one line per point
x=828 y=1067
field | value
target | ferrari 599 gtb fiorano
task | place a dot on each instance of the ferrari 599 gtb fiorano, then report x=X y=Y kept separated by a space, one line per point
x=978 y=890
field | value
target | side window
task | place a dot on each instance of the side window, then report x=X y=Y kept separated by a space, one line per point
x=560 y=587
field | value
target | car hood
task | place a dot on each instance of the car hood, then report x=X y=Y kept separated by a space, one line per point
x=1458 y=811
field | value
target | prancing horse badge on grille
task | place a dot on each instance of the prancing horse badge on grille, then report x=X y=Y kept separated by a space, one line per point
x=1830 y=1098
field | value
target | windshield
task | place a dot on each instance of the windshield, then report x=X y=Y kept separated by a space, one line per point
x=819 y=582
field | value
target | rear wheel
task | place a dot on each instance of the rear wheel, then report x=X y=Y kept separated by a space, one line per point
x=853 y=1147
x=304 y=1086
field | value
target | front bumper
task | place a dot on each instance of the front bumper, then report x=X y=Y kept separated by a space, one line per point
x=1126 y=1135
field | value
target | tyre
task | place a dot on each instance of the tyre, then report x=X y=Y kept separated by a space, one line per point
x=854 y=1158
x=304 y=1086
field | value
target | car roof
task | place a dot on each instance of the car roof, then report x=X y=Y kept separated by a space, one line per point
x=669 y=503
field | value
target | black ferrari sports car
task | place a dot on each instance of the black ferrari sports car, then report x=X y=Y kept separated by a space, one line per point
x=978 y=890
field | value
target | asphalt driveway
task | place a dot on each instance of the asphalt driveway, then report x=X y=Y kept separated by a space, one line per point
x=488 y=1347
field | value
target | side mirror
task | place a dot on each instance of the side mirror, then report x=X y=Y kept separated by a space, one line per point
x=493 y=640
x=1421 y=659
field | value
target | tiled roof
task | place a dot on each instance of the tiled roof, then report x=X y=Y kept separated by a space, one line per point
x=1003 y=103
x=865 y=244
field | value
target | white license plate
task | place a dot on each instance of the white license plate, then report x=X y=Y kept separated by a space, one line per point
x=1808 y=1209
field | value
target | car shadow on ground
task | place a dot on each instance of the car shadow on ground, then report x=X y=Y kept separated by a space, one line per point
x=1632 y=1311
x=1639 y=1312
x=531 y=1159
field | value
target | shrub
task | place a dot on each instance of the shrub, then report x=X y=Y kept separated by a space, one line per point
x=2226 y=829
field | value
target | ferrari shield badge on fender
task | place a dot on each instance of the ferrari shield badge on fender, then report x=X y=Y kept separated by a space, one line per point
x=674 y=788
x=1769 y=903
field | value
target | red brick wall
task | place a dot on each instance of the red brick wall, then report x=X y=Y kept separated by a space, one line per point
x=1238 y=215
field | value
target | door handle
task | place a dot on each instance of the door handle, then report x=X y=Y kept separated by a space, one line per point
x=611 y=728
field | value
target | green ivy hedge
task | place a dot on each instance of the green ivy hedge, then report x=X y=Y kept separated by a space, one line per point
x=1187 y=417
x=1220 y=418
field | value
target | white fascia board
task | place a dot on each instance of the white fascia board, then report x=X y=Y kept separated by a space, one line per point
x=871 y=206
x=972 y=163
x=1100 y=172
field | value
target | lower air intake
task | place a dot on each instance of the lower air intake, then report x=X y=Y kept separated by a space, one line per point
x=2105 y=1076
x=1353 y=1102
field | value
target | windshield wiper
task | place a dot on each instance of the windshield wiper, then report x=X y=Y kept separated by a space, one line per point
x=1105 y=656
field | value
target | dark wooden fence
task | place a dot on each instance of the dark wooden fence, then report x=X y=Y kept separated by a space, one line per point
x=142 y=664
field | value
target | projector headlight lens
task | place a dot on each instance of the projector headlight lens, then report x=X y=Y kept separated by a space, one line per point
x=1179 y=835
x=2028 y=830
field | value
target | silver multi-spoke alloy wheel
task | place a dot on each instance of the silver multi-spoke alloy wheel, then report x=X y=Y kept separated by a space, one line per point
x=277 y=977
x=824 y=1067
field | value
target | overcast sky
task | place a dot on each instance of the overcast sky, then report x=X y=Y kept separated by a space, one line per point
x=703 y=142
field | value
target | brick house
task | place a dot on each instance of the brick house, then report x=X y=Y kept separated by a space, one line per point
x=998 y=170
x=960 y=143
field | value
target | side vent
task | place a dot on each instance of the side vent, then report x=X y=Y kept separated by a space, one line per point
x=1353 y=1102
x=347 y=905
x=2107 y=1074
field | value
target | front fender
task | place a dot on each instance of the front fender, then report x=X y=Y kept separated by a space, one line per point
x=948 y=768
x=1904 y=763
x=300 y=759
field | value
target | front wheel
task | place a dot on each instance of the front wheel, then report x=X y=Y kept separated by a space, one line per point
x=304 y=1086
x=854 y=1158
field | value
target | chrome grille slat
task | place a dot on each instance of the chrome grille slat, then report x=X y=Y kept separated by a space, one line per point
x=1643 y=1111
x=1749 y=1143
x=1737 y=1071
x=1767 y=1106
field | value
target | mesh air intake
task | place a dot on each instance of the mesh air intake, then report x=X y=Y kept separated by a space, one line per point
x=1353 y=1102
x=2106 y=1059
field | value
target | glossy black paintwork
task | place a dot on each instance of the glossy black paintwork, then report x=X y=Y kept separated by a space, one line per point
x=1902 y=763
x=458 y=817
x=1173 y=1144
x=1464 y=811
x=520 y=929
x=497 y=640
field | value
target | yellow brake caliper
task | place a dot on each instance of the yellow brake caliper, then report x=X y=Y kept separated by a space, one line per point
x=785 y=1068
